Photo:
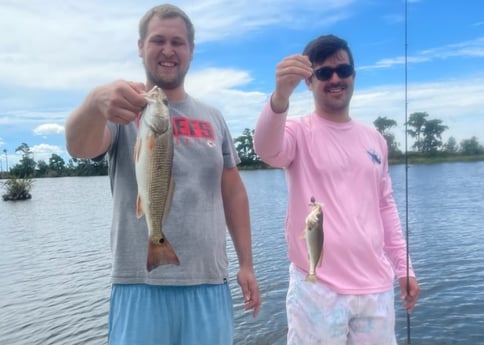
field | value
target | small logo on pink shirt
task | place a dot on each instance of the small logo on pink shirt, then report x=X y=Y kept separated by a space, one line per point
x=375 y=157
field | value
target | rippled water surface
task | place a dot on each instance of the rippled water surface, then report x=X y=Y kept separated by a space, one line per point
x=55 y=258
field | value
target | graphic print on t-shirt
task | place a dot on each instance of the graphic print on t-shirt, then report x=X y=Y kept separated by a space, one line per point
x=187 y=130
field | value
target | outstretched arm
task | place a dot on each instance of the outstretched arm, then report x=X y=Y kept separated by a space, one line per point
x=269 y=130
x=236 y=206
x=86 y=133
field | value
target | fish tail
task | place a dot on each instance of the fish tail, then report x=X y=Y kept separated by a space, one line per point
x=311 y=278
x=160 y=254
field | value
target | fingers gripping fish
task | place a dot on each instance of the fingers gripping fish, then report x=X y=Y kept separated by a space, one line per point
x=314 y=235
x=153 y=156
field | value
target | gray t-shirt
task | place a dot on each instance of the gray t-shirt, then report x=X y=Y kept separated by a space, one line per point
x=195 y=225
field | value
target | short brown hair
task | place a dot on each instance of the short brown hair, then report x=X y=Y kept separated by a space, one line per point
x=163 y=12
x=324 y=46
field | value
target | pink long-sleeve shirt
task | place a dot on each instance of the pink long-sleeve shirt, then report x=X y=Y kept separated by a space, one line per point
x=345 y=167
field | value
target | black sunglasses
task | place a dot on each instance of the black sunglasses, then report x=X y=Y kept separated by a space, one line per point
x=325 y=73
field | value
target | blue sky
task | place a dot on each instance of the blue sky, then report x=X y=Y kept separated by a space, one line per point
x=53 y=52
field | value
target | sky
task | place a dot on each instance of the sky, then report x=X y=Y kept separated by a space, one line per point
x=427 y=58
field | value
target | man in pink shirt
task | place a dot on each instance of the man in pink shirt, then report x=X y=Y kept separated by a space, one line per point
x=343 y=164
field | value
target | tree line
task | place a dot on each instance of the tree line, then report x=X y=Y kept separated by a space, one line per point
x=56 y=166
x=427 y=135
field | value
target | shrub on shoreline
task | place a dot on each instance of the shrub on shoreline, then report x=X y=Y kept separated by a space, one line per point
x=17 y=189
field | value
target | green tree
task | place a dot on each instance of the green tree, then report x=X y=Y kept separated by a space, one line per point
x=88 y=167
x=71 y=166
x=417 y=121
x=100 y=166
x=383 y=125
x=42 y=168
x=57 y=164
x=24 y=148
x=471 y=146
x=26 y=166
x=6 y=160
x=245 y=147
x=451 y=146
x=432 y=136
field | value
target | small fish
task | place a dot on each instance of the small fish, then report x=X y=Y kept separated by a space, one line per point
x=153 y=156
x=314 y=235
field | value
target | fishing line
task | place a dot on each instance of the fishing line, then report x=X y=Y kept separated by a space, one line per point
x=406 y=172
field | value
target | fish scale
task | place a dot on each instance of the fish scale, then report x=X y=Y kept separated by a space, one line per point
x=159 y=186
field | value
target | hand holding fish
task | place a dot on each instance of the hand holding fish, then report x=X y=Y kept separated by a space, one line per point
x=250 y=290
x=119 y=101
x=289 y=73
x=86 y=132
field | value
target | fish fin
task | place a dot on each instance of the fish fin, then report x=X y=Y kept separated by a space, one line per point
x=169 y=198
x=139 y=208
x=150 y=143
x=137 y=148
x=320 y=261
x=303 y=234
x=311 y=278
x=160 y=254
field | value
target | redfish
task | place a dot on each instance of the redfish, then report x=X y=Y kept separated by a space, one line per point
x=314 y=235
x=153 y=156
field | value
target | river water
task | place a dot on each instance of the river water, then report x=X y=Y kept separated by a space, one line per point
x=55 y=258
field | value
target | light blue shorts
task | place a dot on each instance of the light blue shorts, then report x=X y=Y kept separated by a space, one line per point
x=318 y=315
x=159 y=315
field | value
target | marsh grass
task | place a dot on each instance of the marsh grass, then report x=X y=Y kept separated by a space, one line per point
x=17 y=189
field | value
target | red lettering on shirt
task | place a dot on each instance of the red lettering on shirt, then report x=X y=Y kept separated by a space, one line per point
x=186 y=127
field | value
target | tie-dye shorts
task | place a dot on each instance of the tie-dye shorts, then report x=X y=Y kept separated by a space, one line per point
x=316 y=315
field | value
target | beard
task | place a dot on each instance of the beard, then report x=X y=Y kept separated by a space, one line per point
x=164 y=82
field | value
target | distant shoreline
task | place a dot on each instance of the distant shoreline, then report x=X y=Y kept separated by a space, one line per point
x=411 y=159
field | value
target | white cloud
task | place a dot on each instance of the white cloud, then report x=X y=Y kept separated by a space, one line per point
x=50 y=128
x=473 y=48
x=40 y=152
x=34 y=119
x=391 y=62
x=221 y=88
x=46 y=148
x=45 y=151
x=76 y=45
x=453 y=101
x=67 y=44
x=204 y=82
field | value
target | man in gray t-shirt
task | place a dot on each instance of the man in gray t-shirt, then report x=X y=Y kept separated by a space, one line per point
x=187 y=303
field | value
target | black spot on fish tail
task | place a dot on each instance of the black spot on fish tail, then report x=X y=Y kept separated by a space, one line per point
x=162 y=240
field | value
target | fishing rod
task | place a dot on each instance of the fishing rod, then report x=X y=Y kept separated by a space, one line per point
x=406 y=171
